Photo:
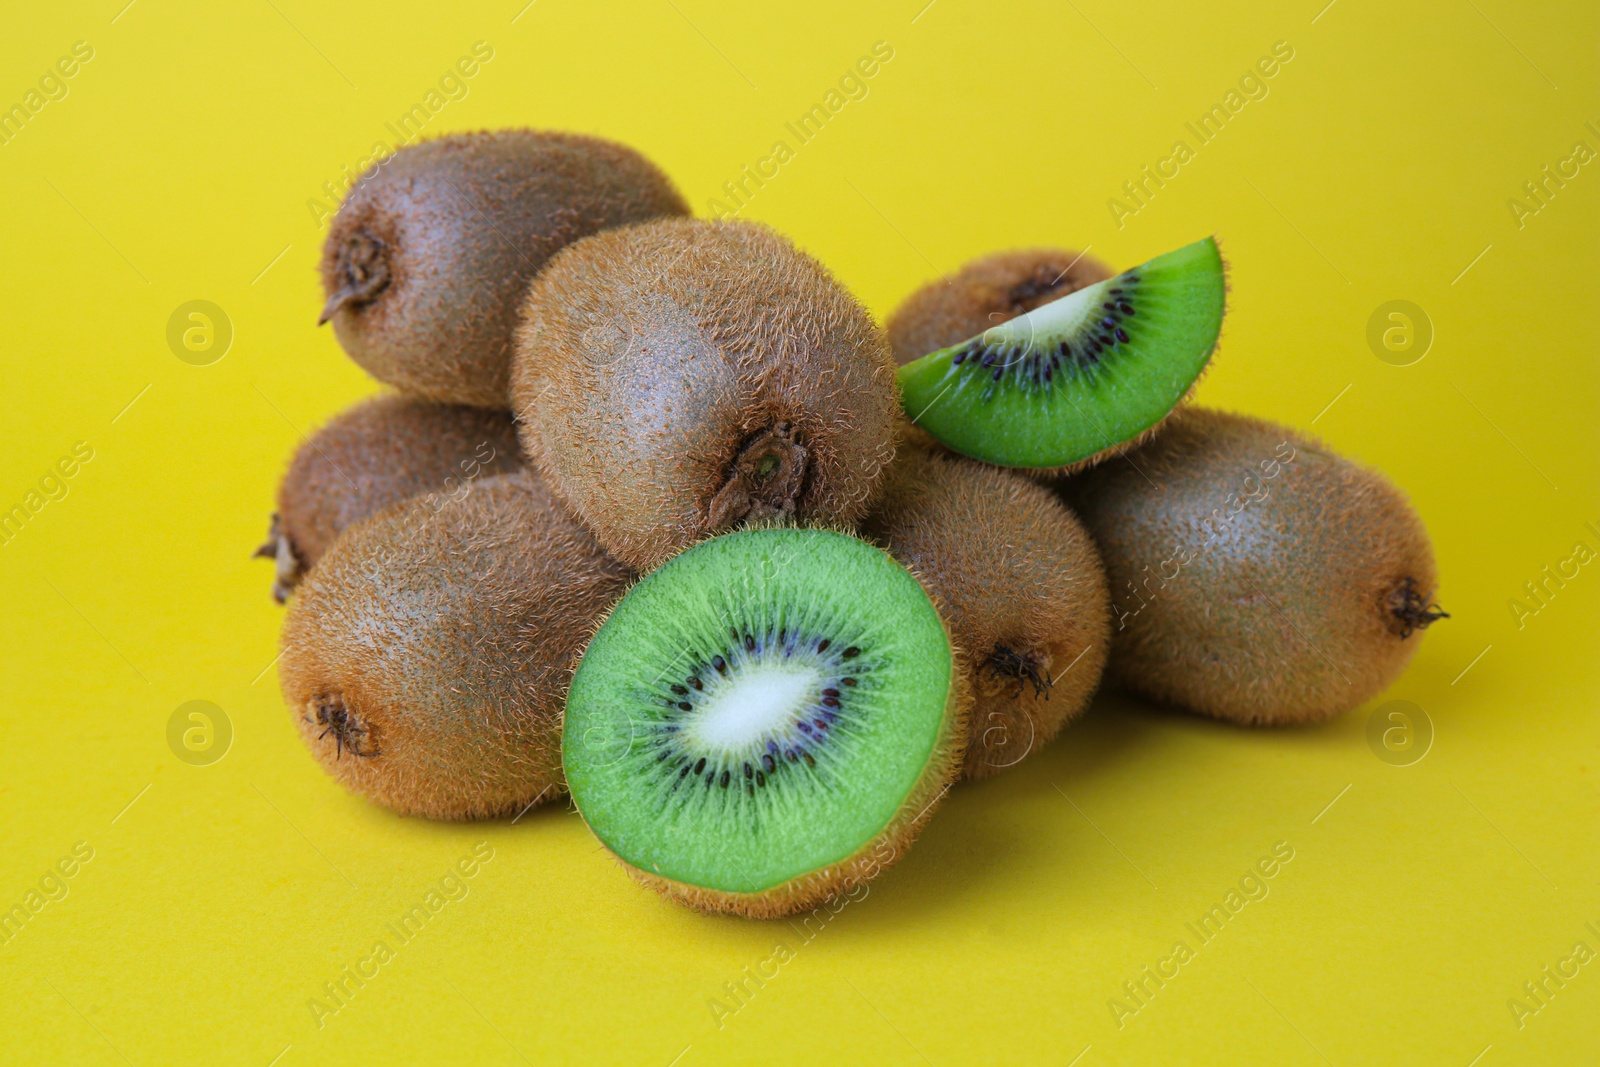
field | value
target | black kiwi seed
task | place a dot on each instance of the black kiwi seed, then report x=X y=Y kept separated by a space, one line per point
x=766 y=761
x=724 y=779
x=847 y=681
x=852 y=652
x=720 y=664
x=822 y=646
x=698 y=767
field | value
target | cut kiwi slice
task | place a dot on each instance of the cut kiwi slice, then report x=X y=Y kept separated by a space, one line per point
x=765 y=721
x=1078 y=376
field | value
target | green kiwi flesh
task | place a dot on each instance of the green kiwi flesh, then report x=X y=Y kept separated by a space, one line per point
x=1081 y=375
x=765 y=721
x=1256 y=576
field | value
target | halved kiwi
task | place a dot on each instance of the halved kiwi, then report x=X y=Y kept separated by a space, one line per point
x=766 y=721
x=1064 y=383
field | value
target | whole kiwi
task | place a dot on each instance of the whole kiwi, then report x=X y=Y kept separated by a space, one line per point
x=376 y=453
x=1020 y=585
x=426 y=659
x=677 y=378
x=984 y=293
x=1255 y=575
x=429 y=255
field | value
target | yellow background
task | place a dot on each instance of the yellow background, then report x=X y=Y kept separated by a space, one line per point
x=1379 y=167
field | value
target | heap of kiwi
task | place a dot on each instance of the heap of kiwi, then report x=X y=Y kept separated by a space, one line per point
x=756 y=596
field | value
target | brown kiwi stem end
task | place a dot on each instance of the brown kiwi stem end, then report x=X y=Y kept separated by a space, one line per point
x=280 y=550
x=341 y=722
x=364 y=270
x=764 y=481
x=1022 y=668
x=1410 y=609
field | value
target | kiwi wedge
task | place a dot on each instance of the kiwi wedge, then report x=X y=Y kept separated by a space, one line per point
x=1069 y=381
x=766 y=721
x=1256 y=576
x=373 y=454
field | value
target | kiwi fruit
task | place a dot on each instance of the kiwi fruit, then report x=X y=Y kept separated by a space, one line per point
x=374 y=454
x=766 y=721
x=678 y=378
x=986 y=292
x=1020 y=585
x=426 y=658
x=1255 y=575
x=428 y=257
x=1076 y=379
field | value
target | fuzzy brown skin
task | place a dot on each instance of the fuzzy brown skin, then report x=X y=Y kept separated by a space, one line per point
x=678 y=378
x=984 y=293
x=866 y=863
x=376 y=453
x=1305 y=601
x=1020 y=585
x=426 y=659
x=426 y=263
